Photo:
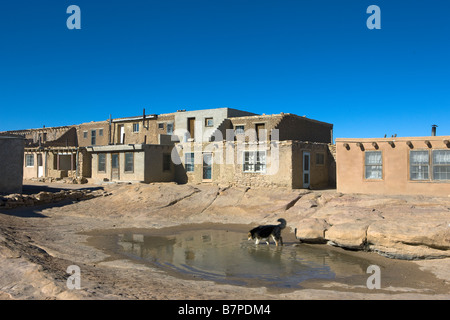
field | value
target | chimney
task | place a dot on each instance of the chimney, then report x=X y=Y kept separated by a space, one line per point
x=433 y=130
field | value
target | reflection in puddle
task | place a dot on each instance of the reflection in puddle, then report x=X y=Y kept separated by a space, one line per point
x=227 y=257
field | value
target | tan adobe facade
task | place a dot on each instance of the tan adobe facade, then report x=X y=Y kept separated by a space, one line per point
x=287 y=164
x=132 y=163
x=138 y=149
x=407 y=165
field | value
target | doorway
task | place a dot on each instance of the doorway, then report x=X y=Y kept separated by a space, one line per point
x=306 y=169
x=191 y=127
x=207 y=166
x=121 y=131
x=115 y=175
x=40 y=165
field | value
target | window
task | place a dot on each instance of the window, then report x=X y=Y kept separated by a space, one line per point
x=419 y=162
x=100 y=132
x=170 y=128
x=239 y=129
x=254 y=161
x=166 y=162
x=93 y=137
x=374 y=165
x=129 y=162
x=189 y=162
x=209 y=122
x=101 y=162
x=161 y=125
x=29 y=160
x=207 y=166
x=441 y=164
x=320 y=159
x=84 y=134
x=135 y=127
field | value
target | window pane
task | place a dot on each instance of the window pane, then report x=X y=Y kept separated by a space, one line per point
x=239 y=129
x=129 y=162
x=373 y=172
x=102 y=162
x=373 y=158
x=189 y=162
x=29 y=159
x=441 y=172
x=419 y=172
x=441 y=157
x=419 y=157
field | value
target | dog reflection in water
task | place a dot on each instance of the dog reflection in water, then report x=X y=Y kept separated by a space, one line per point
x=264 y=233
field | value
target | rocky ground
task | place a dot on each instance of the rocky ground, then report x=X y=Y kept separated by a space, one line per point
x=42 y=235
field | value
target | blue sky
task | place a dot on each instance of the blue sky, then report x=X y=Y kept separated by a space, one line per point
x=309 y=57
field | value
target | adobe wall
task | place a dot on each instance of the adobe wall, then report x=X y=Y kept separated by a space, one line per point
x=283 y=168
x=293 y=127
x=395 y=168
x=148 y=133
x=11 y=164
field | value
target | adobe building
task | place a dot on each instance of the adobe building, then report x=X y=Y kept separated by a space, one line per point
x=281 y=150
x=404 y=166
x=11 y=164
x=132 y=163
x=287 y=164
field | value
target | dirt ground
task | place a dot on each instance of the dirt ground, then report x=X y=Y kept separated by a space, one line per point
x=37 y=244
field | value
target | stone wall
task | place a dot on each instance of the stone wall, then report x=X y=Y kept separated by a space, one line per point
x=11 y=164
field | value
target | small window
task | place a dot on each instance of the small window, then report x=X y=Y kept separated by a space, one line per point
x=101 y=162
x=29 y=160
x=85 y=134
x=135 y=127
x=100 y=132
x=320 y=159
x=419 y=165
x=373 y=165
x=170 y=128
x=161 y=126
x=209 y=122
x=129 y=162
x=189 y=162
x=166 y=162
x=239 y=129
x=441 y=164
x=93 y=137
x=254 y=161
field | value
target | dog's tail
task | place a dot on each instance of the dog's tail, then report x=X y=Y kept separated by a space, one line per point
x=282 y=222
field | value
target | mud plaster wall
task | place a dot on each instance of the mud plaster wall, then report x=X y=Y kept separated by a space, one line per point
x=11 y=165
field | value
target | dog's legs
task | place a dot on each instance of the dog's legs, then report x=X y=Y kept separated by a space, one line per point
x=257 y=241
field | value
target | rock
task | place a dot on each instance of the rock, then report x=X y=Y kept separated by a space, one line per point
x=410 y=239
x=44 y=196
x=311 y=230
x=351 y=235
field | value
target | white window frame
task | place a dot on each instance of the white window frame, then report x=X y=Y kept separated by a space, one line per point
x=421 y=169
x=254 y=164
x=373 y=167
x=135 y=127
x=27 y=162
x=445 y=164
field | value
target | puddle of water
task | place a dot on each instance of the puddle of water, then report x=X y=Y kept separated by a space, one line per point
x=225 y=255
